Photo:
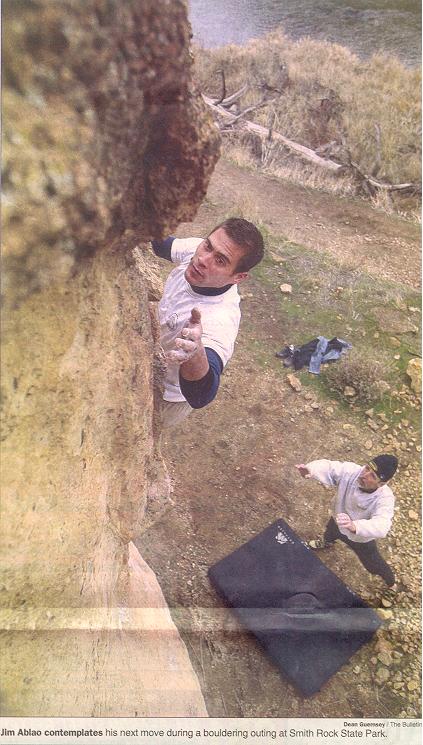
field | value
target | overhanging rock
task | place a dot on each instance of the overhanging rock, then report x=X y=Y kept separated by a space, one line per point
x=106 y=145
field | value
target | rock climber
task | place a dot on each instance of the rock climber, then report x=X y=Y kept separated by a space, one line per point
x=199 y=312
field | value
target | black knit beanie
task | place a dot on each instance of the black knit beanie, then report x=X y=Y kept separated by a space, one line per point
x=384 y=466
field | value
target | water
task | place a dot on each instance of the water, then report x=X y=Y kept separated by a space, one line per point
x=392 y=26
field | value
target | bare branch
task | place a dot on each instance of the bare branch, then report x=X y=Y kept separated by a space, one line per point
x=272 y=119
x=416 y=188
x=378 y=158
x=259 y=105
x=223 y=96
x=231 y=99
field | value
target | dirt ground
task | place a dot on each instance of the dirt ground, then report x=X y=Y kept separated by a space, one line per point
x=350 y=229
x=232 y=466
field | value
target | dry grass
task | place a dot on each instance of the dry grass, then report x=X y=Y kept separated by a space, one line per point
x=383 y=201
x=246 y=208
x=363 y=371
x=306 y=174
x=331 y=96
x=239 y=154
x=244 y=152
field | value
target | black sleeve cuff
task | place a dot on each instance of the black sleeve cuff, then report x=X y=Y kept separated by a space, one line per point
x=163 y=248
x=199 y=393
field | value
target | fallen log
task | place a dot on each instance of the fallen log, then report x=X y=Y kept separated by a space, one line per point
x=306 y=153
x=263 y=132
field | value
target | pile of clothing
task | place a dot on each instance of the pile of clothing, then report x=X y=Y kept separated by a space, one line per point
x=314 y=353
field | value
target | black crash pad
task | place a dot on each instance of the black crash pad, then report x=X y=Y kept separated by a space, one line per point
x=308 y=621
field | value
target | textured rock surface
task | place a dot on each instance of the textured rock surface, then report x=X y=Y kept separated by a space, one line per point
x=105 y=145
x=414 y=372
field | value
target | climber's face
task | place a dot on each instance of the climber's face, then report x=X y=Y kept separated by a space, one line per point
x=215 y=262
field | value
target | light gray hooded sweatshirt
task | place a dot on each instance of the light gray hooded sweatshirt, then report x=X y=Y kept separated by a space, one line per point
x=372 y=513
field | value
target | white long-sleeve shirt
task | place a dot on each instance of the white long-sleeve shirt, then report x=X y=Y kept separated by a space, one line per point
x=220 y=314
x=371 y=513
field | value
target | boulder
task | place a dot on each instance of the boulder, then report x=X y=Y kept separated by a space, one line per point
x=107 y=144
x=414 y=372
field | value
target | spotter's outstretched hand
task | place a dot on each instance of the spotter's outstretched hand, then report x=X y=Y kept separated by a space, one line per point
x=305 y=473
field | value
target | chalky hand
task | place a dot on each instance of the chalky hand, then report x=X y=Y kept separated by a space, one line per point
x=187 y=344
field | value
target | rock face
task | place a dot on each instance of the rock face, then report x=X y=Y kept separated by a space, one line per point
x=105 y=146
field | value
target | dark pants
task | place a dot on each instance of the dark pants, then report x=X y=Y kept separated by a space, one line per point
x=366 y=552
